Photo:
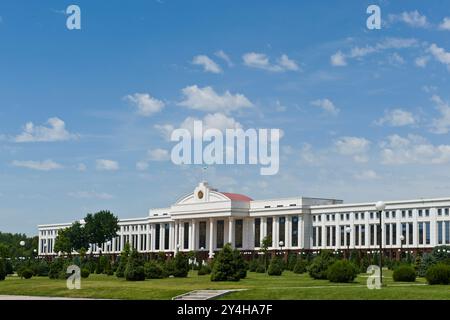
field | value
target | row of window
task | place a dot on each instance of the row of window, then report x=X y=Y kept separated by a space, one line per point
x=390 y=234
x=376 y=215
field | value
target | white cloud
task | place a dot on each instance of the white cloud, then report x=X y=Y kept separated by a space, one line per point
x=366 y=175
x=326 y=105
x=55 y=131
x=107 y=165
x=222 y=55
x=165 y=130
x=207 y=64
x=396 y=59
x=217 y=121
x=261 y=61
x=145 y=104
x=142 y=165
x=353 y=146
x=422 y=61
x=413 y=149
x=397 y=118
x=81 y=167
x=412 y=18
x=441 y=125
x=90 y=195
x=46 y=165
x=445 y=25
x=206 y=99
x=158 y=155
x=440 y=54
x=338 y=59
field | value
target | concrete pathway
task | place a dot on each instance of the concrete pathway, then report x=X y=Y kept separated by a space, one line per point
x=8 y=297
x=204 y=294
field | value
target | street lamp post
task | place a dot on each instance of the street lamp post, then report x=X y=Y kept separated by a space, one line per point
x=380 y=206
x=402 y=238
x=281 y=244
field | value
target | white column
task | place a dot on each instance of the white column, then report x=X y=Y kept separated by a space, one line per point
x=148 y=238
x=162 y=233
x=231 y=231
x=177 y=236
x=287 y=233
x=211 y=238
x=275 y=232
x=139 y=239
x=193 y=240
x=262 y=231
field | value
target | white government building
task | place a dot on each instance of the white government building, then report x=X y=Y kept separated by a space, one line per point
x=206 y=219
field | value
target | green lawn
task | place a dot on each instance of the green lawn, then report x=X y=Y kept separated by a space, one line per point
x=259 y=286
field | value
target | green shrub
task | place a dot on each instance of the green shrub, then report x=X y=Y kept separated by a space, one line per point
x=123 y=260
x=2 y=270
x=275 y=267
x=253 y=265
x=135 y=269
x=300 y=266
x=204 y=269
x=438 y=274
x=240 y=264
x=342 y=271
x=227 y=265
x=154 y=270
x=8 y=267
x=55 y=268
x=169 y=267
x=319 y=266
x=26 y=273
x=261 y=268
x=85 y=273
x=292 y=261
x=40 y=268
x=181 y=265
x=405 y=273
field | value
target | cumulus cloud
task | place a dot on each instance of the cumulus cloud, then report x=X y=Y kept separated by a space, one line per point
x=46 y=165
x=397 y=118
x=413 y=19
x=353 y=146
x=54 y=131
x=206 y=99
x=261 y=61
x=158 y=155
x=90 y=195
x=413 y=149
x=207 y=63
x=422 y=61
x=445 y=25
x=366 y=175
x=145 y=104
x=340 y=58
x=440 y=54
x=441 y=125
x=326 y=105
x=107 y=165
x=222 y=55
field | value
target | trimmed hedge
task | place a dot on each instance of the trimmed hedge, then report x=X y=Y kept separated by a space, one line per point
x=318 y=268
x=438 y=274
x=26 y=273
x=275 y=267
x=153 y=270
x=85 y=273
x=404 y=273
x=300 y=266
x=342 y=271
x=204 y=269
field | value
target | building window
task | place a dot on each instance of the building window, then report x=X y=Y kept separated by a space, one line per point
x=371 y=215
x=363 y=235
x=420 y=213
x=202 y=234
x=394 y=233
x=393 y=214
x=282 y=229
x=238 y=233
x=328 y=236
x=356 y=239
x=387 y=234
x=320 y=237
x=372 y=234
x=404 y=231
x=186 y=235
x=447 y=231
x=420 y=226
x=157 y=235
x=410 y=225
x=342 y=233
x=269 y=228
x=220 y=233
x=446 y=211
x=257 y=232
x=440 y=232
x=294 y=232
x=314 y=236
x=427 y=212
x=403 y=214
x=166 y=236
x=439 y=212
x=410 y=213
x=427 y=233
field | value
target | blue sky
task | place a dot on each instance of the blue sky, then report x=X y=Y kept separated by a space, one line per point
x=84 y=114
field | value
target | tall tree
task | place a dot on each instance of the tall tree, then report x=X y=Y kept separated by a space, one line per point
x=101 y=227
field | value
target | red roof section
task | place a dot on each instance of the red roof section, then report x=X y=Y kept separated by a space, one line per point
x=237 y=197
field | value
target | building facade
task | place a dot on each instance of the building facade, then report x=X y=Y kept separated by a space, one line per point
x=206 y=219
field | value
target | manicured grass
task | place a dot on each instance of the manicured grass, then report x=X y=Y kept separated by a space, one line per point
x=259 y=286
